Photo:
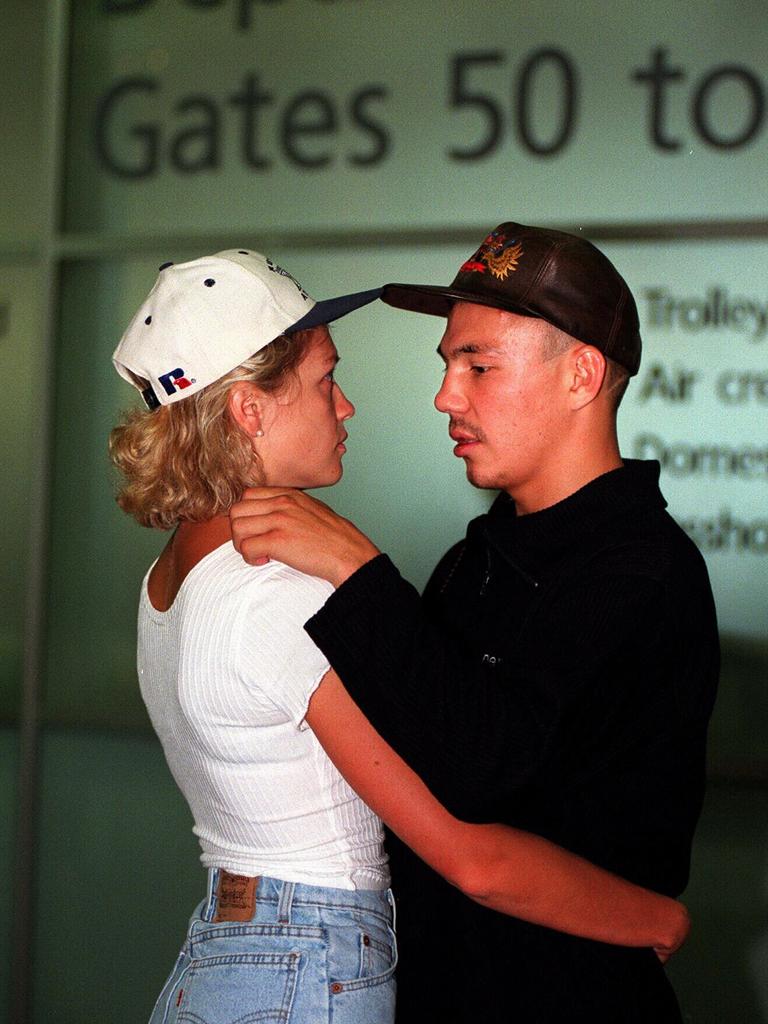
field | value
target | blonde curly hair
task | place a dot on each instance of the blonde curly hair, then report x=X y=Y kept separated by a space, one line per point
x=190 y=460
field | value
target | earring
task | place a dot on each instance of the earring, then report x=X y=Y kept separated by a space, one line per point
x=259 y=433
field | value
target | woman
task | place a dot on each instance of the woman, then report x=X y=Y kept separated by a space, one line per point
x=236 y=365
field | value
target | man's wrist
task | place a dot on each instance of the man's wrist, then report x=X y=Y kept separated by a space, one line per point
x=349 y=566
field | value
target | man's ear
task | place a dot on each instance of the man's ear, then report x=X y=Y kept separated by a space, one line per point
x=587 y=370
x=246 y=407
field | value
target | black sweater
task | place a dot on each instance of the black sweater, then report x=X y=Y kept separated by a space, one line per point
x=558 y=675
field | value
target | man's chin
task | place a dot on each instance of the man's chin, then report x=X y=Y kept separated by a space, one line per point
x=480 y=480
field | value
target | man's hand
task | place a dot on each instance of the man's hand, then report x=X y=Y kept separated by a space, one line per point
x=277 y=522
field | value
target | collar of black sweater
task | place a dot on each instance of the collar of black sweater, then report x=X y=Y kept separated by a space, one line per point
x=536 y=540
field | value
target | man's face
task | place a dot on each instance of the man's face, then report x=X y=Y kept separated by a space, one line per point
x=507 y=405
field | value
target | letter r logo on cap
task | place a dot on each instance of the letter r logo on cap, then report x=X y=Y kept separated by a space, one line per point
x=174 y=381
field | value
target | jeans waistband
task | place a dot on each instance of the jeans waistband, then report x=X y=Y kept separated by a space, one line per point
x=286 y=895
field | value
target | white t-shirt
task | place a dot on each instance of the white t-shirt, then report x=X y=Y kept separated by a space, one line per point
x=226 y=674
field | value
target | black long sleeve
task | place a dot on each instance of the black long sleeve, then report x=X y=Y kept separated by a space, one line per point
x=478 y=725
x=417 y=685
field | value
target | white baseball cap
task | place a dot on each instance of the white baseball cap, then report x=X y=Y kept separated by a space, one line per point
x=205 y=317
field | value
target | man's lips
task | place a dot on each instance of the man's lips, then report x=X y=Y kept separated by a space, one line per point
x=464 y=441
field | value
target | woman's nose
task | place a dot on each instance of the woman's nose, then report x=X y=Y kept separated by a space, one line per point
x=344 y=408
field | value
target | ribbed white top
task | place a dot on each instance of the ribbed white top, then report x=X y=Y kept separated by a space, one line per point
x=226 y=674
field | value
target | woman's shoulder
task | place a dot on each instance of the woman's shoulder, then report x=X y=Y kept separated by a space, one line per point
x=275 y=585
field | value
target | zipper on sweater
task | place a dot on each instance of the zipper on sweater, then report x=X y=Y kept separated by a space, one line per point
x=454 y=567
x=487 y=575
x=510 y=562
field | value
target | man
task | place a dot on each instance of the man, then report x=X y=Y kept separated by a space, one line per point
x=559 y=672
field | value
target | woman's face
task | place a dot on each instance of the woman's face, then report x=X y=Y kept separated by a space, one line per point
x=304 y=435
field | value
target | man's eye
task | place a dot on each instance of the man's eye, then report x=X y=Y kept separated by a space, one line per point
x=479 y=369
x=329 y=376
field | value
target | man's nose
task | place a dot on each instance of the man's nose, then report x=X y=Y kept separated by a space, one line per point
x=449 y=399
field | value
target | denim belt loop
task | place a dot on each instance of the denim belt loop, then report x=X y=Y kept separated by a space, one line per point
x=393 y=905
x=209 y=911
x=285 y=903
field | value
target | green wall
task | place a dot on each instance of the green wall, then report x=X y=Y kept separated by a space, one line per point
x=344 y=167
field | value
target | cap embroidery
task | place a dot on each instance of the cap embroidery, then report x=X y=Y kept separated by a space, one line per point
x=271 y=265
x=174 y=381
x=498 y=254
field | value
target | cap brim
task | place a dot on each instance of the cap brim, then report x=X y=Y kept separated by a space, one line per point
x=328 y=310
x=439 y=301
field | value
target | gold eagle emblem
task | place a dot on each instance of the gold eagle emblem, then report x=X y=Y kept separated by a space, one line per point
x=505 y=262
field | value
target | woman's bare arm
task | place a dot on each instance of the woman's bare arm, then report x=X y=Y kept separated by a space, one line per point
x=505 y=869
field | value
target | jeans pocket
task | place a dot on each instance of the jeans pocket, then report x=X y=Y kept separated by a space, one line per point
x=244 y=988
x=369 y=997
x=376 y=956
x=362 y=956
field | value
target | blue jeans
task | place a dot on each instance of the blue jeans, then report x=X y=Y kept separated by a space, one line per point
x=309 y=955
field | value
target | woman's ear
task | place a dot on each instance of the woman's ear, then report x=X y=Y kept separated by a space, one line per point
x=246 y=407
x=588 y=368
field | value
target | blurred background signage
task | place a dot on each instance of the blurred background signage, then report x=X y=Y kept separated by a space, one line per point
x=332 y=113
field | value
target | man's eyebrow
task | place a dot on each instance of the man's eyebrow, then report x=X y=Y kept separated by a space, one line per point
x=470 y=348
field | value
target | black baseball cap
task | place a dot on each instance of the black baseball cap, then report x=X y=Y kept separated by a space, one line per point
x=538 y=272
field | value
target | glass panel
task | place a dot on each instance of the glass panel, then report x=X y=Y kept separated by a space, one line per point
x=20 y=447
x=308 y=115
x=699 y=406
x=401 y=482
x=9 y=754
x=721 y=974
x=97 y=556
x=22 y=43
x=119 y=875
